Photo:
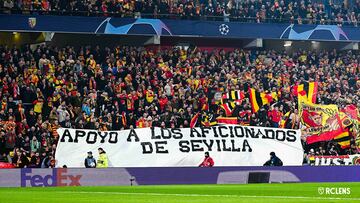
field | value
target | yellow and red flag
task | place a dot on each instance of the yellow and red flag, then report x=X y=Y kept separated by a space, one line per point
x=308 y=90
x=258 y=99
x=194 y=120
x=227 y=120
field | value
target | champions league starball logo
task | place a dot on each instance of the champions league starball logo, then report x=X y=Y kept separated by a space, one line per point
x=334 y=31
x=224 y=29
x=157 y=27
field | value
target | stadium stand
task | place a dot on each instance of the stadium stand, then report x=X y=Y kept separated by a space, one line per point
x=132 y=87
x=47 y=87
x=298 y=12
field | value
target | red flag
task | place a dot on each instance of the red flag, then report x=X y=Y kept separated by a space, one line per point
x=309 y=118
x=269 y=97
x=294 y=90
x=227 y=120
x=194 y=120
x=326 y=136
x=302 y=93
x=228 y=107
x=123 y=119
x=352 y=111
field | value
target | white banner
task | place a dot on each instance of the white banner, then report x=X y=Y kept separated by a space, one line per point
x=228 y=145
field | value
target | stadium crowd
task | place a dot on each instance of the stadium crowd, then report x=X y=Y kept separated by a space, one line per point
x=299 y=11
x=129 y=87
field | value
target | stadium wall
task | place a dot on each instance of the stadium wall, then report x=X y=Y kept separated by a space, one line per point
x=182 y=28
x=28 y=177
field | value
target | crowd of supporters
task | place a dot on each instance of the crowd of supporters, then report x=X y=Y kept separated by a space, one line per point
x=122 y=87
x=299 y=11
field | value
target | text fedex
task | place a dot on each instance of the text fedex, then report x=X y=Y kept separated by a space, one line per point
x=59 y=177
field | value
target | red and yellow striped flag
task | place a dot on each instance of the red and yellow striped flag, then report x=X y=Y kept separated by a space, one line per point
x=307 y=90
x=258 y=99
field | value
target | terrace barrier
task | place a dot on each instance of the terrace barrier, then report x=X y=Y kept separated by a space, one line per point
x=30 y=177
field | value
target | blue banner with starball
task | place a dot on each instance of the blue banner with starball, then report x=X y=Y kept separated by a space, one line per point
x=166 y=27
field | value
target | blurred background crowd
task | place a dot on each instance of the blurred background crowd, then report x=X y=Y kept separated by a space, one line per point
x=280 y=11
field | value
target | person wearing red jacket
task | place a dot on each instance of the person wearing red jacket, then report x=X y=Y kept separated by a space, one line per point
x=163 y=101
x=275 y=117
x=208 y=161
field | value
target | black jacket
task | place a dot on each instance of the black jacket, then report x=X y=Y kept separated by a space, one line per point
x=89 y=160
x=274 y=161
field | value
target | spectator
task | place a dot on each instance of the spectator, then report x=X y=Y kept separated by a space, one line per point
x=48 y=161
x=103 y=161
x=8 y=5
x=208 y=161
x=35 y=160
x=274 y=160
x=34 y=144
x=275 y=116
x=251 y=11
x=90 y=161
x=20 y=159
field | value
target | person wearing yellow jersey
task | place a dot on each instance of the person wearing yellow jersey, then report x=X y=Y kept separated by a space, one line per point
x=51 y=67
x=140 y=123
x=70 y=84
x=311 y=157
x=183 y=55
x=103 y=161
x=59 y=82
x=303 y=58
x=128 y=79
x=196 y=83
x=149 y=94
x=4 y=104
x=34 y=79
x=91 y=61
x=38 y=105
